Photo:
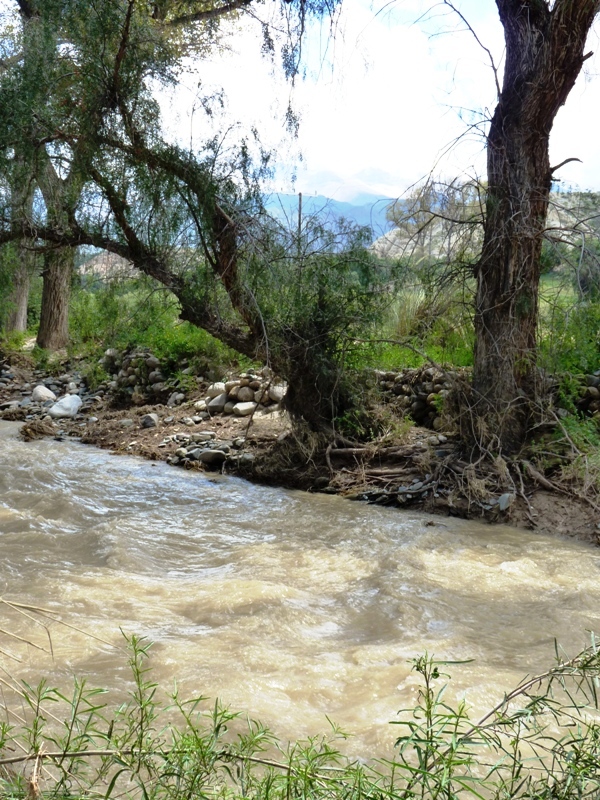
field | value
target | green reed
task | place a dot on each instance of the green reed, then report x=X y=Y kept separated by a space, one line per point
x=541 y=741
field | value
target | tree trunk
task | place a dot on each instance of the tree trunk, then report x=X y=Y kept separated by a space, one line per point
x=17 y=318
x=53 y=332
x=544 y=55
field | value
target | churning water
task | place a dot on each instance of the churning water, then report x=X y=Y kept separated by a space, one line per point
x=287 y=605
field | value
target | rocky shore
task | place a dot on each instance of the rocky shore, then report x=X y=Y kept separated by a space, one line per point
x=237 y=425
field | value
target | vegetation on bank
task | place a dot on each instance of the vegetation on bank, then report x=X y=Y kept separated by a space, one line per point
x=333 y=310
x=540 y=741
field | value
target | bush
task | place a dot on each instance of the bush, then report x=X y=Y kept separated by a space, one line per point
x=317 y=299
x=139 y=313
x=570 y=340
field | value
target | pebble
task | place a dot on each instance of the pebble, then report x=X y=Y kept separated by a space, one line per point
x=149 y=421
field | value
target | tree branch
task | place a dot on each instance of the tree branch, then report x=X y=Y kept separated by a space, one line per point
x=212 y=13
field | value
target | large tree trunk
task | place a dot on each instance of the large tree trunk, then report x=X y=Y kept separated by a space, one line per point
x=22 y=191
x=544 y=55
x=19 y=299
x=53 y=333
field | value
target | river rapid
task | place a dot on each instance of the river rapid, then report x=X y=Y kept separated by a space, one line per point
x=286 y=605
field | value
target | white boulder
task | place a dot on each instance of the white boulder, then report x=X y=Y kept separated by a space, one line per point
x=277 y=392
x=67 y=406
x=215 y=389
x=243 y=409
x=41 y=394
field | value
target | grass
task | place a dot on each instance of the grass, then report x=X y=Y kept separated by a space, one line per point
x=135 y=313
x=542 y=740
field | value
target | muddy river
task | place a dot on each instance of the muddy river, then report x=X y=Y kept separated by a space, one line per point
x=290 y=606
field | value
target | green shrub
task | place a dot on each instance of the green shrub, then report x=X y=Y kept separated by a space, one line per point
x=139 y=313
x=570 y=337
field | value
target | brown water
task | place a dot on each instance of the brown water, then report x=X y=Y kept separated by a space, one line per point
x=287 y=605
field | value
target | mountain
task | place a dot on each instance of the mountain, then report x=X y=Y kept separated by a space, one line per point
x=366 y=210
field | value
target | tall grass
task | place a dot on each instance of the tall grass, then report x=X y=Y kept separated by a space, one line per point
x=542 y=740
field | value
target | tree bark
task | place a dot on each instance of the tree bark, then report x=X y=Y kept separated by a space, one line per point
x=544 y=55
x=19 y=299
x=53 y=333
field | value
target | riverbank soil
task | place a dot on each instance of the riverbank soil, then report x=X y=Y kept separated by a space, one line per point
x=411 y=467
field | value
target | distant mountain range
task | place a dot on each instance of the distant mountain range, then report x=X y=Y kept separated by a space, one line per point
x=365 y=210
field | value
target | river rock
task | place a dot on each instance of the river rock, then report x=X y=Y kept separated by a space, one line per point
x=212 y=457
x=245 y=394
x=277 y=393
x=41 y=394
x=243 y=409
x=215 y=390
x=176 y=399
x=200 y=437
x=67 y=406
x=149 y=421
x=217 y=404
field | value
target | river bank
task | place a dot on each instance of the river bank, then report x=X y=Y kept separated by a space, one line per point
x=411 y=467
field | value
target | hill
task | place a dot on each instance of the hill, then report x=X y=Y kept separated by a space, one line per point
x=367 y=210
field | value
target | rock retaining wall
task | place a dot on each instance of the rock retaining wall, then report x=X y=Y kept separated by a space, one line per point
x=420 y=393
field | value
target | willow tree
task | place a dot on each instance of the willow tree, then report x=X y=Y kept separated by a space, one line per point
x=545 y=51
x=76 y=70
x=192 y=219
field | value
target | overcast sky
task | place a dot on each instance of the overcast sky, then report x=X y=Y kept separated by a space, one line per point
x=383 y=101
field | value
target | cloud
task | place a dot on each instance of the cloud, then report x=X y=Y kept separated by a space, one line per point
x=382 y=101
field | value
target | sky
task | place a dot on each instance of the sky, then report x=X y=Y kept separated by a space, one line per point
x=401 y=91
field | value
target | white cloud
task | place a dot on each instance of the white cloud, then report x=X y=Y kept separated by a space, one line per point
x=383 y=100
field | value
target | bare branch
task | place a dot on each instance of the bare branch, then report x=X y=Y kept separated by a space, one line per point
x=479 y=42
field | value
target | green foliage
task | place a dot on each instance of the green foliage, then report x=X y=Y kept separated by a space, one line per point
x=542 y=740
x=140 y=313
x=317 y=300
x=582 y=432
x=12 y=341
x=570 y=339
